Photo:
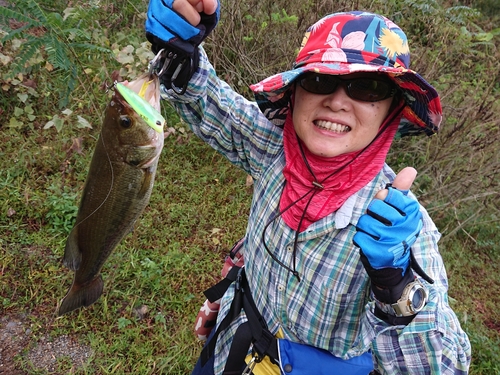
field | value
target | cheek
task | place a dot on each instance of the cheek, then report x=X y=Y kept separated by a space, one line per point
x=300 y=123
x=376 y=113
x=376 y=109
x=300 y=104
x=304 y=102
x=301 y=109
x=381 y=109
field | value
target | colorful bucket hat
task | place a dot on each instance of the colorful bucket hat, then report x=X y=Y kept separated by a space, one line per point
x=344 y=43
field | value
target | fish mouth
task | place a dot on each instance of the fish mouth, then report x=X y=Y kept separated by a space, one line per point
x=143 y=95
x=150 y=162
x=147 y=87
x=143 y=156
x=143 y=164
x=332 y=126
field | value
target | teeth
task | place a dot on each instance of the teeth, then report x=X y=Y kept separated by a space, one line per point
x=332 y=126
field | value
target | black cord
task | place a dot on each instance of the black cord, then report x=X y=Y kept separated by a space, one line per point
x=274 y=257
x=316 y=187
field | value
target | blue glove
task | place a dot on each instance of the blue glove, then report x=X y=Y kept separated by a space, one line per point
x=168 y=30
x=385 y=235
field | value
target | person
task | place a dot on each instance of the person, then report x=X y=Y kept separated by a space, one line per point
x=342 y=272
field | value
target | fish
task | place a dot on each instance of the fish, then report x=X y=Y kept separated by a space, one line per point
x=118 y=185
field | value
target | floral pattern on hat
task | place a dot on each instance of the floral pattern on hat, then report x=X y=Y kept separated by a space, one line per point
x=344 y=43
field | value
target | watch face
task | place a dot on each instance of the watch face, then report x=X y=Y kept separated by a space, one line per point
x=418 y=299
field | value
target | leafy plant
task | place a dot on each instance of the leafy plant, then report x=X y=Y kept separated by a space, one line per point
x=62 y=210
x=58 y=121
x=56 y=36
x=200 y=203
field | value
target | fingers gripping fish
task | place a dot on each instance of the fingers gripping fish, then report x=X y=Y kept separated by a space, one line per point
x=118 y=185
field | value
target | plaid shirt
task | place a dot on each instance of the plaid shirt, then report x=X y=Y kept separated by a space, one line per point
x=331 y=307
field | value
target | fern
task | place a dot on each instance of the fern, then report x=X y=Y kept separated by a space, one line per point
x=58 y=39
x=13 y=34
x=78 y=33
x=28 y=50
x=426 y=7
x=32 y=8
x=89 y=47
x=460 y=15
x=71 y=79
x=57 y=53
x=7 y=13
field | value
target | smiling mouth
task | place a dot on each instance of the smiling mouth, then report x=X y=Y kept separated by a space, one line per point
x=332 y=126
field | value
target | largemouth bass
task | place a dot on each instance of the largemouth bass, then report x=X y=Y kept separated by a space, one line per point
x=118 y=185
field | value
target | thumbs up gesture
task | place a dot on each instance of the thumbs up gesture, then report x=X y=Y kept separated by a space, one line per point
x=385 y=235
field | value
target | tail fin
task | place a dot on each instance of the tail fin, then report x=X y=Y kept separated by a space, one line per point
x=72 y=254
x=79 y=296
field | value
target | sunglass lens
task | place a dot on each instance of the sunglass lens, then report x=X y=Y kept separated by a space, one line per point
x=319 y=84
x=364 y=89
x=369 y=90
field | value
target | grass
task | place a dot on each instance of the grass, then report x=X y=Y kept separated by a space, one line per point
x=197 y=211
x=473 y=280
x=173 y=254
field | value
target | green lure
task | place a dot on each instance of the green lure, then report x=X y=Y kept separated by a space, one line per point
x=148 y=113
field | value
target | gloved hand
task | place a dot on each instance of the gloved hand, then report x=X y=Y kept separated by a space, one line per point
x=385 y=234
x=166 y=29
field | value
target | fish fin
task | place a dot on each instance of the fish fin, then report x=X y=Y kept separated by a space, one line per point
x=72 y=254
x=79 y=296
x=147 y=181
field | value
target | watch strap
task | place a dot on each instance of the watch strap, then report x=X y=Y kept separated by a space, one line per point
x=392 y=319
x=404 y=307
x=390 y=292
x=393 y=308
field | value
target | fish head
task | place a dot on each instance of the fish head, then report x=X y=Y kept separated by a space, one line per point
x=133 y=125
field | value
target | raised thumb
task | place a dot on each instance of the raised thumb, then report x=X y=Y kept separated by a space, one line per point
x=403 y=181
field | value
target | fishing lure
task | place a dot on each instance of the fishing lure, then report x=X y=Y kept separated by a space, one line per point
x=147 y=112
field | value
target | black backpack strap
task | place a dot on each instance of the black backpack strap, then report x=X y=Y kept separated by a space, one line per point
x=239 y=348
x=217 y=291
x=254 y=331
x=264 y=342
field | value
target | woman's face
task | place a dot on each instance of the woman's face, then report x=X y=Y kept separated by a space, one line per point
x=335 y=124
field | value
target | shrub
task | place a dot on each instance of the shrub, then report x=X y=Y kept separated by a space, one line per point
x=458 y=168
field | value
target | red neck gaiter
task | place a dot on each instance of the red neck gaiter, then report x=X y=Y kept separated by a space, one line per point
x=340 y=176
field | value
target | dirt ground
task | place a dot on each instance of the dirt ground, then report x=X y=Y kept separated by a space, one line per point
x=45 y=353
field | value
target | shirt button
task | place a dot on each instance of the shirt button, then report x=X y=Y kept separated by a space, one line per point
x=289 y=248
x=281 y=288
x=287 y=367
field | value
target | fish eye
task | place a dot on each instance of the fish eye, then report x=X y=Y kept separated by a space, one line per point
x=125 y=122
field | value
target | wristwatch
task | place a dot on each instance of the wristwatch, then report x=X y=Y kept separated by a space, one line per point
x=412 y=301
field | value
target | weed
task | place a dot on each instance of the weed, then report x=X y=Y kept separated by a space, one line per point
x=62 y=211
x=199 y=205
x=59 y=36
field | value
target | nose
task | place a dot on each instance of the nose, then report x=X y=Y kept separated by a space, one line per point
x=338 y=100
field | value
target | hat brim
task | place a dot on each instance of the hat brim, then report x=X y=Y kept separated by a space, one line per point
x=422 y=112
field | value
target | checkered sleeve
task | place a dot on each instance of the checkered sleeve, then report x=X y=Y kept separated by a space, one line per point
x=434 y=342
x=227 y=121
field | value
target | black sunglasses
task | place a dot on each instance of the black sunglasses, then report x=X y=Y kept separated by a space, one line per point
x=365 y=89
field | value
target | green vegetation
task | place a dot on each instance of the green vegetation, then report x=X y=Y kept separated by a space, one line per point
x=55 y=65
